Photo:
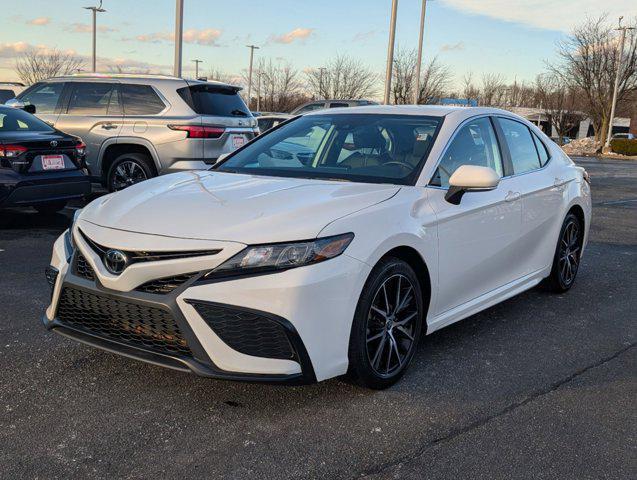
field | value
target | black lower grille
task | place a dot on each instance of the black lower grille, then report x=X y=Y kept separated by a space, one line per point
x=51 y=273
x=247 y=332
x=83 y=268
x=130 y=323
x=164 y=285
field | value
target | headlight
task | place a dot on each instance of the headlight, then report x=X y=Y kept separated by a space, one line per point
x=282 y=256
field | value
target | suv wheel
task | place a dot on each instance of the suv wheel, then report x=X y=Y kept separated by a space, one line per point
x=128 y=169
x=387 y=325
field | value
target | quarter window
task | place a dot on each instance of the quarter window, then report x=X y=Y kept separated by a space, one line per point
x=541 y=150
x=524 y=155
x=141 y=100
x=90 y=98
x=474 y=144
x=44 y=96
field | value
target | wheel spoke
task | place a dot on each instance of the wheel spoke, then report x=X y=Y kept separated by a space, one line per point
x=406 y=300
x=374 y=337
x=379 y=349
x=379 y=311
x=397 y=294
x=387 y=308
x=406 y=319
x=388 y=355
x=404 y=331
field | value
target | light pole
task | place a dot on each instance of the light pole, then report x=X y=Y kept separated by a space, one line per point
x=95 y=11
x=197 y=62
x=259 y=73
x=619 y=68
x=252 y=49
x=420 y=40
x=390 y=50
x=179 y=31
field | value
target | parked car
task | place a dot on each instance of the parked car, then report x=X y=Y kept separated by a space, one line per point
x=266 y=122
x=269 y=268
x=39 y=165
x=321 y=104
x=139 y=126
x=9 y=90
x=627 y=136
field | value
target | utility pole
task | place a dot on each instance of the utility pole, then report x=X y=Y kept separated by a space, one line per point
x=197 y=62
x=321 y=70
x=179 y=33
x=259 y=73
x=617 y=73
x=95 y=11
x=252 y=49
x=420 y=40
x=390 y=51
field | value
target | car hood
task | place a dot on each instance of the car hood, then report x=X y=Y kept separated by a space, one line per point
x=249 y=209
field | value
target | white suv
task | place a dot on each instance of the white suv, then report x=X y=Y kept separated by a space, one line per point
x=137 y=127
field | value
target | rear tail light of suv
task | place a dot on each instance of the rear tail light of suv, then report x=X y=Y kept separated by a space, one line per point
x=198 y=131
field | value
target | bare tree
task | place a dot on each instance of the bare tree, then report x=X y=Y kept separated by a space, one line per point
x=280 y=86
x=560 y=103
x=469 y=89
x=589 y=60
x=342 y=77
x=434 y=82
x=493 y=90
x=33 y=65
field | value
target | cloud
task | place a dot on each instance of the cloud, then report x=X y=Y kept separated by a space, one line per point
x=8 y=50
x=40 y=21
x=86 y=28
x=362 y=37
x=294 y=35
x=206 y=36
x=451 y=47
x=546 y=14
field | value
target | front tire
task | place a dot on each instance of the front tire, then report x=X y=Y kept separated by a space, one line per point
x=387 y=325
x=128 y=169
x=567 y=255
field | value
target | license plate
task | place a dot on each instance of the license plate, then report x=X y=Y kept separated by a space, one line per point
x=52 y=162
x=238 y=141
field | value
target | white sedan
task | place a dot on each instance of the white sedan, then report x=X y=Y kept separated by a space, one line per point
x=327 y=246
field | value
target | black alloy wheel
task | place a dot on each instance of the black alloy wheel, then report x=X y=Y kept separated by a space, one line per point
x=567 y=255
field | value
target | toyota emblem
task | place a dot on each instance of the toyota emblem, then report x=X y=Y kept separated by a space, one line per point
x=115 y=261
x=54 y=143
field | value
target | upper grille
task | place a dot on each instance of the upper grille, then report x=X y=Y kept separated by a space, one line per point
x=83 y=268
x=164 y=285
x=246 y=332
x=137 y=325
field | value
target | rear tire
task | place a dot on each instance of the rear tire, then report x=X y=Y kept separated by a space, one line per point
x=567 y=256
x=51 y=207
x=387 y=325
x=129 y=169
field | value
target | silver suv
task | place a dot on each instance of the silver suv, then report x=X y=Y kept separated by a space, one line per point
x=139 y=126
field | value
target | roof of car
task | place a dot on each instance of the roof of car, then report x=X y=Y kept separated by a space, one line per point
x=429 y=110
x=138 y=76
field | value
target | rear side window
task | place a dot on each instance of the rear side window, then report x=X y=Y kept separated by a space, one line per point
x=44 y=96
x=90 y=98
x=6 y=94
x=216 y=101
x=524 y=156
x=141 y=100
x=338 y=105
x=541 y=150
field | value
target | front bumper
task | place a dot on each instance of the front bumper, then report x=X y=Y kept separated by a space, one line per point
x=292 y=302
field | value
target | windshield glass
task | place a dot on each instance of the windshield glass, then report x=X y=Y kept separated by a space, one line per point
x=16 y=120
x=357 y=147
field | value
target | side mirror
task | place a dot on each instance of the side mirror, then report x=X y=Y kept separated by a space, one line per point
x=470 y=178
x=15 y=103
x=29 y=109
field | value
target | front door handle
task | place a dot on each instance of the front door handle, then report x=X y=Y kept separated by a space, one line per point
x=512 y=196
x=109 y=126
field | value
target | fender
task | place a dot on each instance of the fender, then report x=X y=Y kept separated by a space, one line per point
x=129 y=140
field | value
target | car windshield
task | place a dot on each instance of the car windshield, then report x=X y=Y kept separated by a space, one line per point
x=16 y=120
x=350 y=147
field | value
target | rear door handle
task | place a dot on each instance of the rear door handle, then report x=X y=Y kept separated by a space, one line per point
x=109 y=126
x=512 y=196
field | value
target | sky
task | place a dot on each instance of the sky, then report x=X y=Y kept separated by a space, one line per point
x=514 y=38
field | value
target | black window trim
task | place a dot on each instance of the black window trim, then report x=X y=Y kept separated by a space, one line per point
x=548 y=151
x=495 y=127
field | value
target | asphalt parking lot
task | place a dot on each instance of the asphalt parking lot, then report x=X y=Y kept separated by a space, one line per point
x=540 y=386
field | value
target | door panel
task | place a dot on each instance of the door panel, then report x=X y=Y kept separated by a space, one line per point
x=94 y=114
x=476 y=244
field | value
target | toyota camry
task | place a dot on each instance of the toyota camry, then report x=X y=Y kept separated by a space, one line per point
x=328 y=246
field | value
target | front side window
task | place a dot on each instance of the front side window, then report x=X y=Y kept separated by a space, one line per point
x=15 y=120
x=141 y=100
x=90 y=98
x=524 y=156
x=474 y=144
x=44 y=96
x=357 y=147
